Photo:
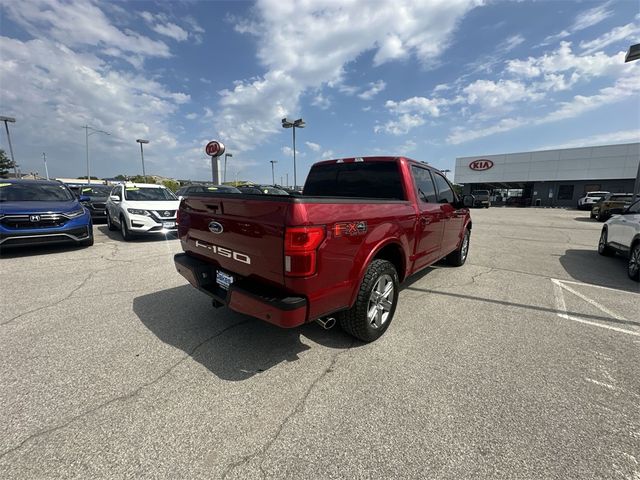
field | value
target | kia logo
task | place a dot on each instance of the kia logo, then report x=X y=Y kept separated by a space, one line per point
x=34 y=218
x=481 y=164
x=215 y=227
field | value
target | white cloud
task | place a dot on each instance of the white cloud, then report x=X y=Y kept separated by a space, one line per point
x=327 y=154
x=591 y=17
x=191 y=116
x=171 y=30
x=583 y=20
x=62 y=74
x=563 y=59
x=490 y=95
x=623 y=136
x=411 y=113
x=624 y=32
x=313 y=146
x=312 y=52
x=407 y=147
x=623 y=88
x=80 y=24
x=511 y=43
x=373 y=90
x=321 y=102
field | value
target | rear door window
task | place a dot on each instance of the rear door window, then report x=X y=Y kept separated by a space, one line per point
x=355 y=179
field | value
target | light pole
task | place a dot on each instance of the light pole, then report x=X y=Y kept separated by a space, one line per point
x=634 y=54
x=141 y=141
x=224 y=176
x=46 y=170
x=273 y=174
x=6 y=121
x=86 y=132
x=299 y=123
x=445 y=172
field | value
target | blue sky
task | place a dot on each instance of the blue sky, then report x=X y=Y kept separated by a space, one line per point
x=433 y=80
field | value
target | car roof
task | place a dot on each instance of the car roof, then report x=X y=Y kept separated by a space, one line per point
x=145 y=185
x=33 y=182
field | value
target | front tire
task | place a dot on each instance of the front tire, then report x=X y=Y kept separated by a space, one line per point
x=459 y=256
x=603 y=248
x=375 y=305
x=126 y=234
x=633 y=268
x=110 y=224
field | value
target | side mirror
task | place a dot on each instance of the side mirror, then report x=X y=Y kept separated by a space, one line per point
x=467 y=201
x=84 y=198
x=114 y=198
x=616 y=211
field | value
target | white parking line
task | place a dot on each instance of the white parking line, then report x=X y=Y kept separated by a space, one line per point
x=572 y=282
x=561 y=307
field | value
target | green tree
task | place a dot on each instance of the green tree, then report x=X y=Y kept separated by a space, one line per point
x=171 y=185
x=5 y=164
x=457 y=188
x=141 y=179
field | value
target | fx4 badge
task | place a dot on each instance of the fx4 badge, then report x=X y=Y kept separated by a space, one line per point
x=349 y=229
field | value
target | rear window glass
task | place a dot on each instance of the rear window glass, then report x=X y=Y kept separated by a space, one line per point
x=624 y=198
x=358 y=179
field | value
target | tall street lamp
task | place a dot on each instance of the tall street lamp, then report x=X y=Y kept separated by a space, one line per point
x=6 y=121
x=87 y=134
x=445 y=171
x=273 y=172
x=632 y=55
x=224 y=176
x=141 y=141
x=299 y=123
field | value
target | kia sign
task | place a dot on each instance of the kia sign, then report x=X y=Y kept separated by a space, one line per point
x=214 y=149
x=481 y=164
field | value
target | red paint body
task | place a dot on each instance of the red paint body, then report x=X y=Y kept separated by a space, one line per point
x=416 y=233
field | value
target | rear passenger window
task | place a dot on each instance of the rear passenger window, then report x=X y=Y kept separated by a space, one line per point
x=424 y=184
x=445 y=194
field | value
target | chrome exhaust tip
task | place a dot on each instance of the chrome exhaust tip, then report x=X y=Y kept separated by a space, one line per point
x=326 y=323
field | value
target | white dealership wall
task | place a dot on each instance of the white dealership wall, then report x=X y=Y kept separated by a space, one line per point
x=567 y=164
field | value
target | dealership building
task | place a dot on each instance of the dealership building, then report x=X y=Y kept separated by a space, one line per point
x=551 y=177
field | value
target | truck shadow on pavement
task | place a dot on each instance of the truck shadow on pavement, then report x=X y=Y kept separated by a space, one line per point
x=232 y=346
x=588 y=266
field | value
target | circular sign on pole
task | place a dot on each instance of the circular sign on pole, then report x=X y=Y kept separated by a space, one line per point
x=214 y=148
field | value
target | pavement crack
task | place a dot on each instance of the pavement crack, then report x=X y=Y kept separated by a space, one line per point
x=126 y=396
x=297 y=409
x=57 y=302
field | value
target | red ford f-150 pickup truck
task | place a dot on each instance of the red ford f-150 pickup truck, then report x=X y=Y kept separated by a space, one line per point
x=338 y=251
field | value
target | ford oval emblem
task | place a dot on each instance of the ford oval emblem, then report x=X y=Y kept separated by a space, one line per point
x=216 y=227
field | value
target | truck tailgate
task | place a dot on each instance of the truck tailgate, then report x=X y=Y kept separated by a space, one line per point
x=243 y=235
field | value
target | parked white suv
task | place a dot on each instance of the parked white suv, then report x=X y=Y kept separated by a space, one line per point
x=141 y=209
x=590 y=199
x=621 y=233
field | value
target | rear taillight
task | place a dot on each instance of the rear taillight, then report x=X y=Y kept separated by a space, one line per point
x=300 y=247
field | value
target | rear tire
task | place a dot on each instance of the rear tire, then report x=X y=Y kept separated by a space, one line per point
x=375 y=305
x=603 y=248
x=459 y=256
x=126 y=235
x=110 y=224
x=633 y=269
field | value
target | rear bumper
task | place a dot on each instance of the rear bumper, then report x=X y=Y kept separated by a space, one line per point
x=244 y=297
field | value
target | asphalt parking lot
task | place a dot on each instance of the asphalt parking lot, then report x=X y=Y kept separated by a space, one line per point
x=524 y=363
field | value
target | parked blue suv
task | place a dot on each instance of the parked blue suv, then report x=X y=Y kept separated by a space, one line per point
x=41 y=211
